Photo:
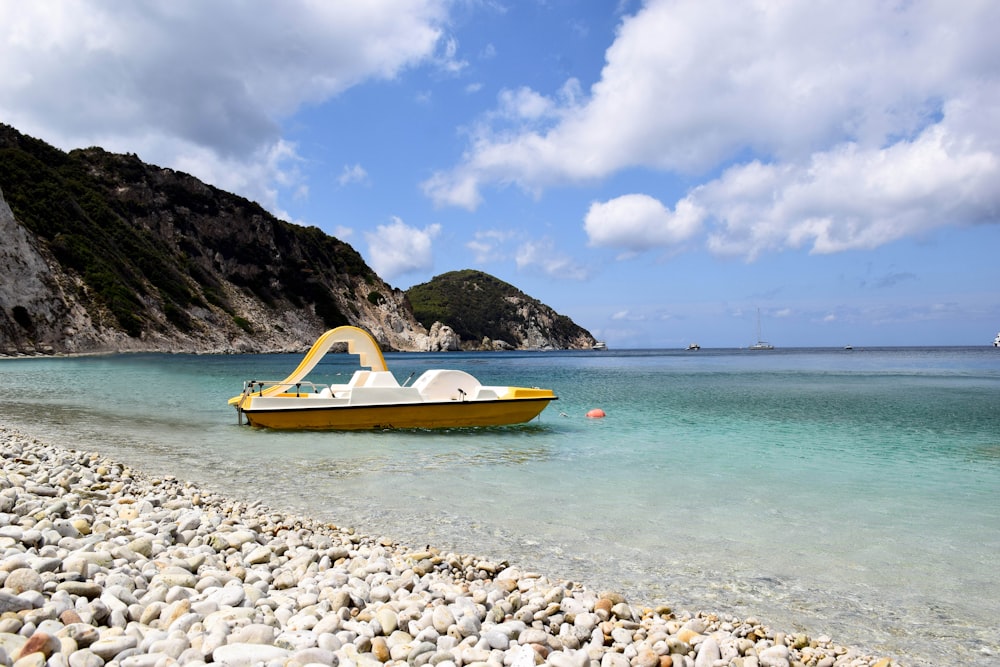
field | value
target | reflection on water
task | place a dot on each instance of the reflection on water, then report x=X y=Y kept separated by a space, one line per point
x=423 y=462
x=989 y=452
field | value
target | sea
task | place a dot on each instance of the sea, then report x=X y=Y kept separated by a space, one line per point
x=847 y=493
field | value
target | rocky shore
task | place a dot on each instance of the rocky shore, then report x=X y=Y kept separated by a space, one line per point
x=103 y=565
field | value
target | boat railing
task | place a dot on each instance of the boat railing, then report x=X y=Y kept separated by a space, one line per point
x=258 y=386
x=251 y=387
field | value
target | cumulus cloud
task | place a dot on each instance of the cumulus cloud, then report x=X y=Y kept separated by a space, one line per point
x=521 y=161
x=638 y=222
x=200 y=86
x=826 y=126
x=852 y=198
x=397 y=248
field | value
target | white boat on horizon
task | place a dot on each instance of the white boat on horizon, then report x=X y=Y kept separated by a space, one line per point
x=760 y=344
x=996 y=341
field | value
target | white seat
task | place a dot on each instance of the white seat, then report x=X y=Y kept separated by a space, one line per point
x=446 y=385
x=381 y=379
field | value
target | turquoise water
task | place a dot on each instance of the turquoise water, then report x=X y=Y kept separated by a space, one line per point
x=847 y=493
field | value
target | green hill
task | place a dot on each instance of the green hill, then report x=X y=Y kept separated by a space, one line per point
x=481 y=308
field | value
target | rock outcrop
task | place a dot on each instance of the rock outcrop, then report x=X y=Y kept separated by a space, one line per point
x=443 y=338
x=34 y=305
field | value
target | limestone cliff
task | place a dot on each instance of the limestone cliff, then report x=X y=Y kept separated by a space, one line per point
x=36 y=309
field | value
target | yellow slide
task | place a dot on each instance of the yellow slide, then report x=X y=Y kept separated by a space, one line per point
x=359 y=342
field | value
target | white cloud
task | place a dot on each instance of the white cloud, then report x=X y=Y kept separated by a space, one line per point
x=544 y=255
x=840 y=125
x=638 y=222
x=489 y=52
x=447 y=61
x=489 y=245
x=352 y=174
x=539 y=255
x=525 y=104
x=851 y=198
x=397 y=248
x=628 y=316
x=200 y=86
x=525 y=159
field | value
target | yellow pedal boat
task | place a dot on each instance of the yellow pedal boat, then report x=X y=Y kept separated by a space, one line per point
x=374 y=399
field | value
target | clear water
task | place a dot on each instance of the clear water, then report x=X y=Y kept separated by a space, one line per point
x=847 y=493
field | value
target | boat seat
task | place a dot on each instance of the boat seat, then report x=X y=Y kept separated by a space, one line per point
x=381 y=379
x=446 y=385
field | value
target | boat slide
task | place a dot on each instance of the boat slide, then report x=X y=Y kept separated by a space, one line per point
x=359 y=342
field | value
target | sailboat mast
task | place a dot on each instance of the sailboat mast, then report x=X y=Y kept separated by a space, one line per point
x=760 y=344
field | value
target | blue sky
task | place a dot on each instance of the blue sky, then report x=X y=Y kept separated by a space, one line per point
x=657 y=170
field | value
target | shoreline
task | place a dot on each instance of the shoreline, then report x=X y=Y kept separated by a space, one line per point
x=103 y=564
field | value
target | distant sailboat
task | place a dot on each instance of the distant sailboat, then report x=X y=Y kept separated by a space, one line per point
x=760 y=344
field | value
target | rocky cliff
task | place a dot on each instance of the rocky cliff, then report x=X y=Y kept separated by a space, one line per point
x=109 y=253
x=102 y=252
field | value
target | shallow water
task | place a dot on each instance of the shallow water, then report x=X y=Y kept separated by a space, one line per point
x=852 y=494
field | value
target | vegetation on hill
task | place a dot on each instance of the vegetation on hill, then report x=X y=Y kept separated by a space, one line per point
x=53 y=195
x=477 y=306
x=104 y=215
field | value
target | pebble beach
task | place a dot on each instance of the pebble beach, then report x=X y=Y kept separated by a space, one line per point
x=101 y=564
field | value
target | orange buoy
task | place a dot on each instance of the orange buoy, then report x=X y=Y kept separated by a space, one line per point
x=596 y=413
